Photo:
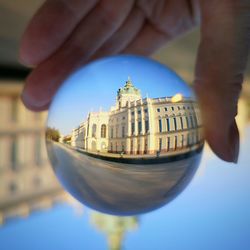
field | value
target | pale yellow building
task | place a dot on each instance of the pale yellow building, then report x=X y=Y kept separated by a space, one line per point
x=141 y=126
x=27 y=180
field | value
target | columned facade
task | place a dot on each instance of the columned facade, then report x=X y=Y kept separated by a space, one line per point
x=141 y=126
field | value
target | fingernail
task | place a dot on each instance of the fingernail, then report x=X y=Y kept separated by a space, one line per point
x=234 y=141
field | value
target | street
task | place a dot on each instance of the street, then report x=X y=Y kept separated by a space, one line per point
x=119 y=188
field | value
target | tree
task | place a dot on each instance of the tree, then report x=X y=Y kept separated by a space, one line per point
x=52 y=134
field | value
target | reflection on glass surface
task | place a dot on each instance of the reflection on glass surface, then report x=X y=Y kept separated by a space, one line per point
x=139 y=150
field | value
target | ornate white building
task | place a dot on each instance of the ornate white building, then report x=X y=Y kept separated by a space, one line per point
x=141 y=126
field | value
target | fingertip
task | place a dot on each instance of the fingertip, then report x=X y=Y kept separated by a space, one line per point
x=24 y=59
x=32 y=104
x=33 y=98
x=224 y=142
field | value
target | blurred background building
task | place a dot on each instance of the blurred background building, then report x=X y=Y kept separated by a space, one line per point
x=27 y=181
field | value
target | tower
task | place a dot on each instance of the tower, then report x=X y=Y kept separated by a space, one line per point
x=128 y=93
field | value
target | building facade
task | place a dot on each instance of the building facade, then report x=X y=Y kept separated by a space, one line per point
x=27 y=180
x=141 y=126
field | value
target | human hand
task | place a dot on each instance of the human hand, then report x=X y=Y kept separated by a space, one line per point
x=65 y=34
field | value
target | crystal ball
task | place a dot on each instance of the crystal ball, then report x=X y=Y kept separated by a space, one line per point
x=124 y=134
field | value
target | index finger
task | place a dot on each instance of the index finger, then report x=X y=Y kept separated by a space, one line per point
x=50 y=27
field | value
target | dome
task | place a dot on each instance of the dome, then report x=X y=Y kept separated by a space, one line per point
x=128 y=88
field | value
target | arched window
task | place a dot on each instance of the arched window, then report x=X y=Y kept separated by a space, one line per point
x=94 y=130
x=103 y=131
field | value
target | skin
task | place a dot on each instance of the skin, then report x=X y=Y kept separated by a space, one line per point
x=64 y=35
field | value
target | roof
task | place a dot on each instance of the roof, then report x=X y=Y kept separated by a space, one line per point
x=128 y=88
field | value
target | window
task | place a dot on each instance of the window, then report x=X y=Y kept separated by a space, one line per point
x=166 y=109
x=103 y=131
x=188 y=139
x=158 y=110
x=116 y=131
x=132 y=113
x=139 y=127
x=14 y=153
x=175 y=142
x=13 y=187
x=146 y=111
x=191 y=121
x=138 y=147
x=145 y=145
x=111 y=147
x=195 y=120
x=146 y=126
x=123 y=118
x=182 y=140
x=160 y=144
x=172 y=108
x=123 y=131
x=133 y=128
x=94 y=130
x=168 y=124
x=139 y=112
x=181 y=122
x=187 y=122
x=123 y=147
x=168 y=143
x=132 y=146
x=197 y=136
x=112 y=132
x=179 y=108
x=175 y=124
x=160 y=126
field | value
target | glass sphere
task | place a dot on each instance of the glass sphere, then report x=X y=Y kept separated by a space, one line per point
x=124 y=134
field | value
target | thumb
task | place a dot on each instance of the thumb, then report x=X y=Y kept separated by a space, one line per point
x=220 y=66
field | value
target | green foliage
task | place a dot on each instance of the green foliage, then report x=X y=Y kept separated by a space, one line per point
x=52 y=134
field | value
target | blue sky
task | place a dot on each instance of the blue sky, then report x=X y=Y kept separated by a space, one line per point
x=96 y=85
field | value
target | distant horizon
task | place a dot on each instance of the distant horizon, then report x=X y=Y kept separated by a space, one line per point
x=113 y=72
